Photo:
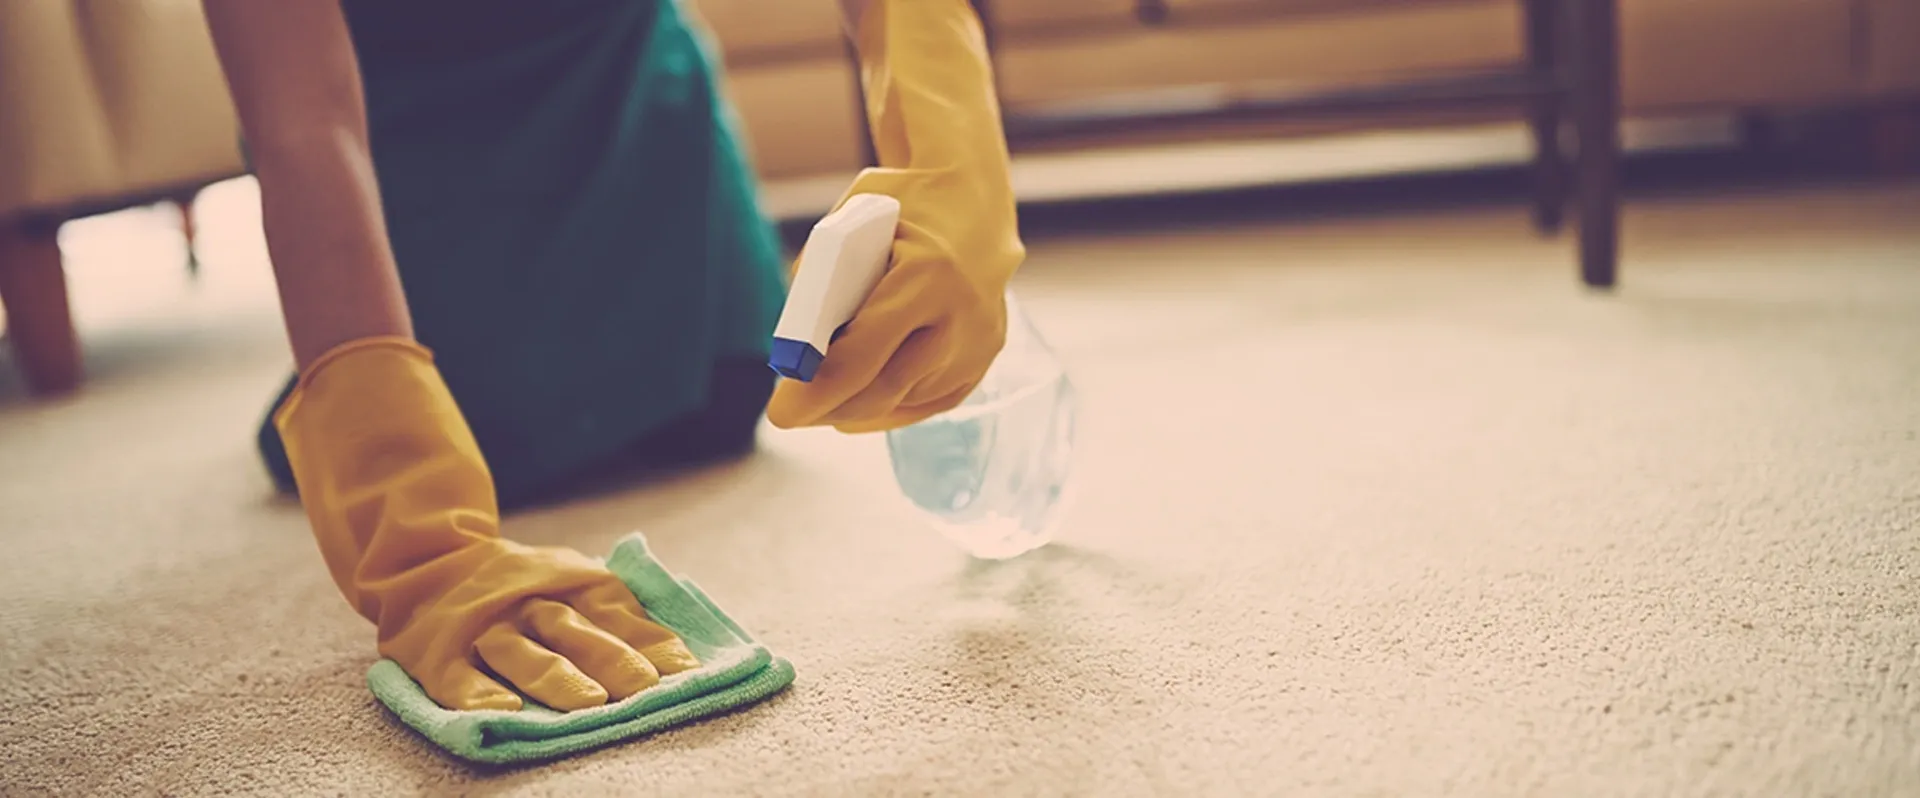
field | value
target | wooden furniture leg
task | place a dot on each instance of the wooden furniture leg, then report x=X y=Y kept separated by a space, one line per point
x=1544 y=33
x=188 y=228
x=33 y=286
x=1595 y=38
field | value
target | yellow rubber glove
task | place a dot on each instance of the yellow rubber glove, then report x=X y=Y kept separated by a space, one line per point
x=926 y=335
x=403 y=506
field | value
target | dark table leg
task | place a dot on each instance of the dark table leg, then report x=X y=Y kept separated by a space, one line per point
x=1596 y=107
x=189 y=228
x=1544 y=32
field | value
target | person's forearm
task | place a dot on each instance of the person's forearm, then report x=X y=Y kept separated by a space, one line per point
x=320 y=208
x=296 y=88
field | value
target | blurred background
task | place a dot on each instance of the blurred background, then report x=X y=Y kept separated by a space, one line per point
x=121 y=166
x=1481 y=397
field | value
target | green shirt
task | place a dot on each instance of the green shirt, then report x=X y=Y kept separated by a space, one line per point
x=572 y=212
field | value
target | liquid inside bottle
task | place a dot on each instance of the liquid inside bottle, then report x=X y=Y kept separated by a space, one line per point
x=994 y=473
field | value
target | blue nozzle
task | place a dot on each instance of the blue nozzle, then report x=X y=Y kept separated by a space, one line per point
x=796 y=360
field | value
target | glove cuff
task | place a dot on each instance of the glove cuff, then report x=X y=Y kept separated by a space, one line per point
x=390 y=475
x=407 y=347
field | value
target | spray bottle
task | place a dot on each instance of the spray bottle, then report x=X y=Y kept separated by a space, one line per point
x=993 y=474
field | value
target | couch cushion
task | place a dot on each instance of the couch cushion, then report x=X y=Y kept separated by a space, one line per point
x=1893 y=46
x=754 y=31
x=800 y=119
x=166 y=97
x=768 y=30
x=1018 y=17
x=1388 y=41
x=55 y=142
x=1719 y=53
x=1022 y=17
x=1302 y=6
x=99 y=100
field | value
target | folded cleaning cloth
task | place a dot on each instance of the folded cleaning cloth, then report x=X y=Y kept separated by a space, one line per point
x=735 y=671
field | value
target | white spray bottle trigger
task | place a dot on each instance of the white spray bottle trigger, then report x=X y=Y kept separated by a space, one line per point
x=846 y=255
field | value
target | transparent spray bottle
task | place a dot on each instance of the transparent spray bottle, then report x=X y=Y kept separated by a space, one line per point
x=993 y=474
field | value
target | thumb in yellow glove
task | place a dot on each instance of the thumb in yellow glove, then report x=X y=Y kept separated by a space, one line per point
x=403 y=507
x=935 y=322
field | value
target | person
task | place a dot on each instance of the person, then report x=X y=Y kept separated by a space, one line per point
x=517 y=242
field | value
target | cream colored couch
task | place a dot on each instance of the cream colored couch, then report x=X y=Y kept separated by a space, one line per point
x=106 y=103
x=103 y=105
x=794 y=85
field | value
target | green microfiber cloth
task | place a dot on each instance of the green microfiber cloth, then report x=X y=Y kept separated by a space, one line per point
x=735 y=671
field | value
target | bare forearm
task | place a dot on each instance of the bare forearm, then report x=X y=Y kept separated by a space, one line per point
x=335 y=271
x=296 y=87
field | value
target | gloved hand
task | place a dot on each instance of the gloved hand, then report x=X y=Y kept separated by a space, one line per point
x=403 y=506
x=924 y=338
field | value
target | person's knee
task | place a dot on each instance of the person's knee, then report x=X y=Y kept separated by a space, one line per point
x=741 y=390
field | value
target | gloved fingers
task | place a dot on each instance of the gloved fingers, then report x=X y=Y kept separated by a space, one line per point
x=908 y=414
x=539 y=672
x=973 y=353
x=613 y=608
x=463 y=687
x=853 y=362
x=598 y=654
x=920 y=357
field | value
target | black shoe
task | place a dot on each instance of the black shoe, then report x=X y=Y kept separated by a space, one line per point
x=273 y=452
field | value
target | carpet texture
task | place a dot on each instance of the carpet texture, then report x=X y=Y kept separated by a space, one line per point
x=1373 y=506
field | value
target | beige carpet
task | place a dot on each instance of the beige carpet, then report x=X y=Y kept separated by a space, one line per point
x=1371 y=507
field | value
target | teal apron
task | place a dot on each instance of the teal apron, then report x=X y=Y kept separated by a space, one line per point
x=574 y=220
